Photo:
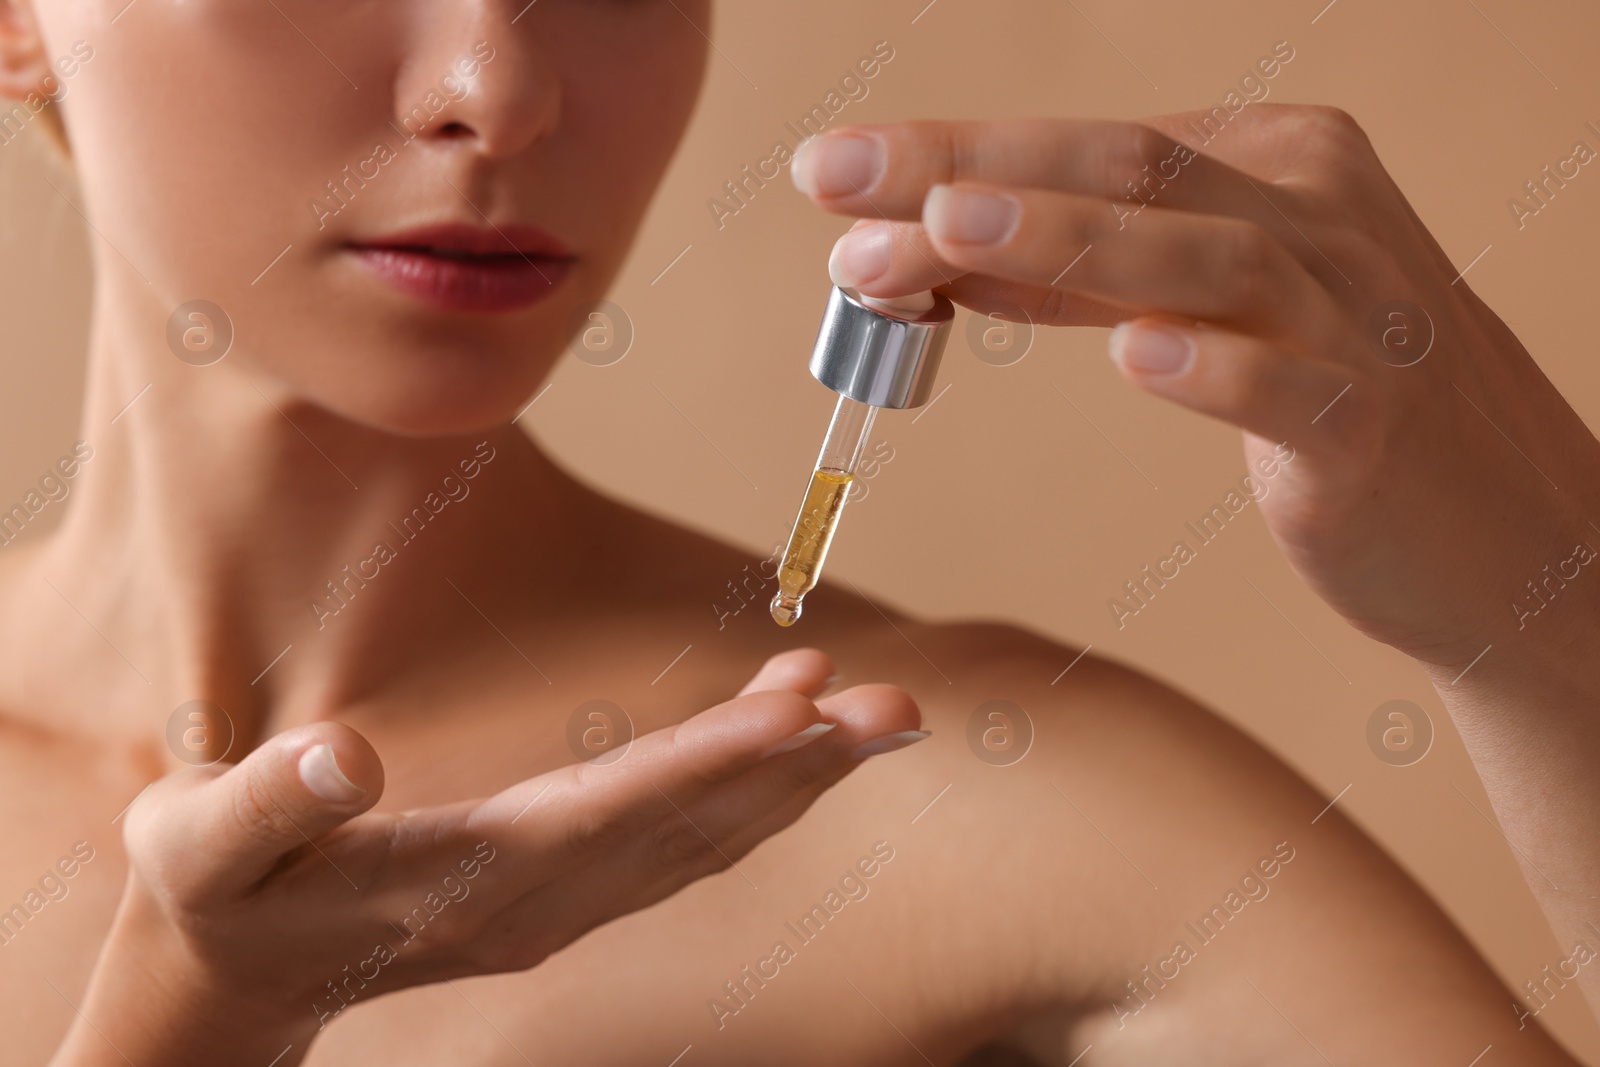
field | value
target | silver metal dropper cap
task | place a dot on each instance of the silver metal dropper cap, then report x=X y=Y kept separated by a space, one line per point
x=878 y=357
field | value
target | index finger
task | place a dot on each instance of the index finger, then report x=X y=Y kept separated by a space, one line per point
x=807 y=671
x=558 y=819
x=572 y=811
x=886 y=171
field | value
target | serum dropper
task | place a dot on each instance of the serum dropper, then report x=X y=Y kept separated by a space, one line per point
x=875 y=354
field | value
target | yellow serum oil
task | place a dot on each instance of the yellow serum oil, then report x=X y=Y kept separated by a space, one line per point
x=808 y=544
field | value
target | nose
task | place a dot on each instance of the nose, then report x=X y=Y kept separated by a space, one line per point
x=479 y=73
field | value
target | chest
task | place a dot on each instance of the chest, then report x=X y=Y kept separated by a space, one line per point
x=61 y=876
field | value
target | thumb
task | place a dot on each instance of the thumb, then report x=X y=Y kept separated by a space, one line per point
x=203 y=835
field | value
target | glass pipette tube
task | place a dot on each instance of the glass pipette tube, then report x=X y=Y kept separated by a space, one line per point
x=819 y=513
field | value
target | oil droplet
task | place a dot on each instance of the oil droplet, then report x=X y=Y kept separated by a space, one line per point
x=785 y=610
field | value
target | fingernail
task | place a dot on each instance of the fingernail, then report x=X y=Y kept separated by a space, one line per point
x=801 y=739
x=319 y=770
x=911 y=305
x=1151 y=348
x=859 y=256
x=837 y=165
x=879 y=745
x=965 y=216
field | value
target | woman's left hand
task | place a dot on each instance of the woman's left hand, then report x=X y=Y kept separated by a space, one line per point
x=1276 y=279
x=1441 y=494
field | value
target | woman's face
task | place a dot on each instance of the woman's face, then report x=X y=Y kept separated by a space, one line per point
x=449 y=183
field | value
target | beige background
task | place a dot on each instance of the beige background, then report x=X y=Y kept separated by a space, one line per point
x=1003 y=500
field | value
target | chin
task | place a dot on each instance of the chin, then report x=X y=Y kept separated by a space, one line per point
x=433 y=393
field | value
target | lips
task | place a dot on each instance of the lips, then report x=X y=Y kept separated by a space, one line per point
x=469 y=269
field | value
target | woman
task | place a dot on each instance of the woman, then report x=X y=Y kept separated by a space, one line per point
x=336 y=534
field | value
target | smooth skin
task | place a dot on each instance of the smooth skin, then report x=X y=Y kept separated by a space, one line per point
x=413 y=750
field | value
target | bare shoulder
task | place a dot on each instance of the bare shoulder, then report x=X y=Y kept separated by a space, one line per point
x=965 y=674
x=1153 y=870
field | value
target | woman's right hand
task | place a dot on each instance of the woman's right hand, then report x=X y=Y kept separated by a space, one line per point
x=264 y=897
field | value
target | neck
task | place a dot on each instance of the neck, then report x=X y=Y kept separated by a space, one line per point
x=233 y=543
